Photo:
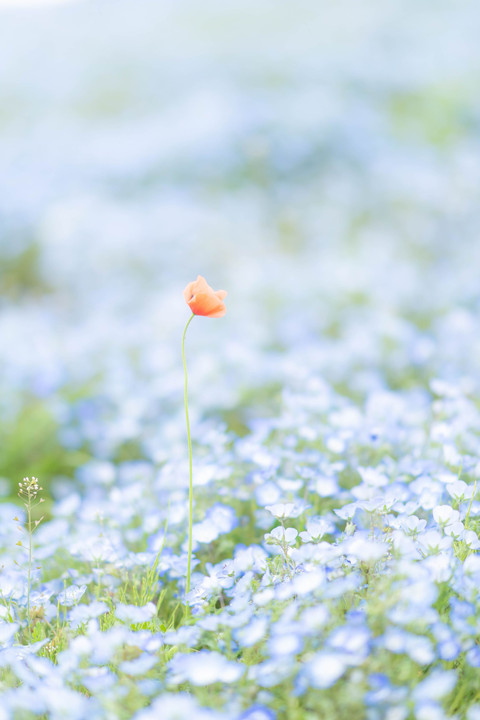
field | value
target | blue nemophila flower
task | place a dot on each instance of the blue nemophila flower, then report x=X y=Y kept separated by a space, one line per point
x=416 y=595
x=281 y=535
x=429 y=710
x=471 y=539
x=325 y=668
x=60 y=701
x=308 y=556
x=209 y=622
x=347 y=512
x=451 y=455
x=463 y=617
x=285 y=644
x=353 y=639
x=32 y=670
x=313 y=618
x=149 y=687
x=219 y=519
x=444 y=515
x=432 y=541
x=339 y=584
x=97 y=472
x=290 y=485
x=459 y=490
x=253 y=557
x=132 y=614
x=373 y=503
x=177 y=706
x=47 y=536
x=473 y=656
x=7 y=631
x=203 y=668
x=97 y=679
x=419 y=648
x=207 y=473
x=428 y=492
x=383 y=694
x=373 y=476
x=41 y=598
x=69 y=660
x=139 y=666
x=443 y=388
x=267 y=492
x=360 y=547
x=187 y=636
x=71 y=595
x=271 y=672
x=67 y=506
x=440 y=567
x=471 y=568
x=243 y=586
x=257 y=712
x=100 y=646
x=324 y=486
x=98 y=546
x=287 y=510
x=404 y=545
x=306 y=582
x=412 y=524
x=237 y=614
x=252 y=633
x=21 y=700
x=13 y=582
x=220 y=577
x=435 y=686
x=13 y=654
x=316 y=529
x=264 y=597
x=448 y=645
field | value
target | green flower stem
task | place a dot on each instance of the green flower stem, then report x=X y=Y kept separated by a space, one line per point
x=467 y=517
x=190 y=486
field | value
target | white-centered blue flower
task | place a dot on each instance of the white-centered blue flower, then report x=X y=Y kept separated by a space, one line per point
x=203 y=668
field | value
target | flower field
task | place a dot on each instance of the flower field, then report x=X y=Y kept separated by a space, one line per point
x=320 y=162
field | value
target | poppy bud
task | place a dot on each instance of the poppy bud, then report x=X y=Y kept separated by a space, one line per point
x=203 y=300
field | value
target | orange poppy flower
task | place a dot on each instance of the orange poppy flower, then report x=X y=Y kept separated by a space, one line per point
x=203 y=300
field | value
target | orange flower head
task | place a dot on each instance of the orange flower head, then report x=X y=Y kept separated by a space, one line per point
x=203 y=300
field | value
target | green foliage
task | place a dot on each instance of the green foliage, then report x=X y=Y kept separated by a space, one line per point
x=31 y=442
x=437 y=115
x=20 y=275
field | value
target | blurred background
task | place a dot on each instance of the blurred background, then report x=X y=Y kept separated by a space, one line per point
x=319 y=161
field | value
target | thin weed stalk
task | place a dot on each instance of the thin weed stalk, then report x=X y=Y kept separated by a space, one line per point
x=28 y=493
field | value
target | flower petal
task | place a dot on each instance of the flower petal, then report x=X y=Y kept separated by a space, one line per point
x=207 y=304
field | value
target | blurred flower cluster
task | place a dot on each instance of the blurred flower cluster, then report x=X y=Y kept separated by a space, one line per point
x=320 y=162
